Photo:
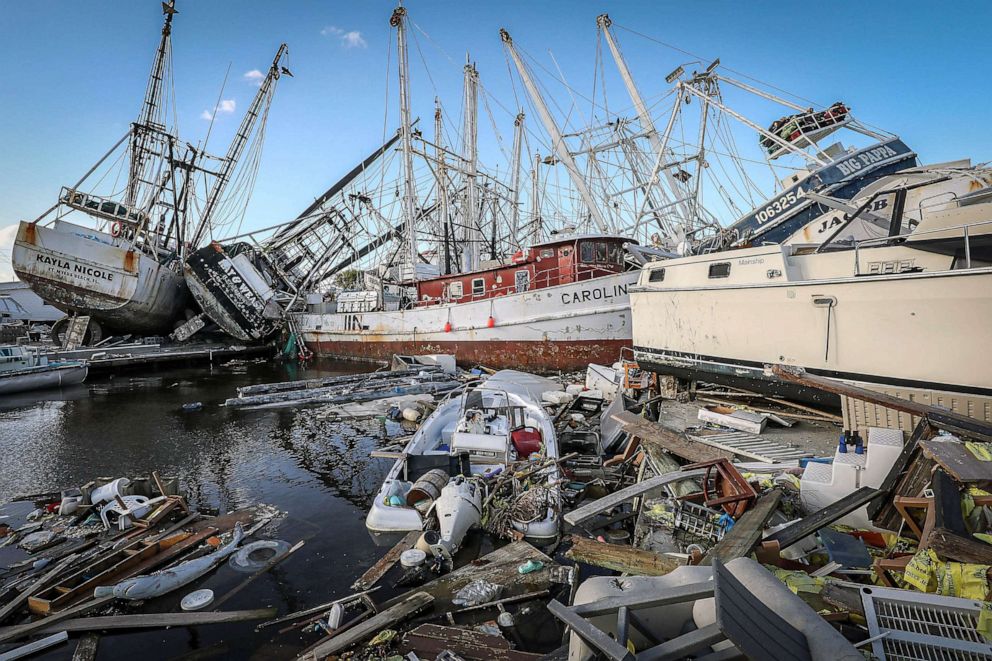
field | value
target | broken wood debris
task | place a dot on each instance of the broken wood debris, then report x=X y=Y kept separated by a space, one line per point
x=621 y=558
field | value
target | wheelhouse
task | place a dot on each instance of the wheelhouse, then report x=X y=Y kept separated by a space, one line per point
x=548 y=264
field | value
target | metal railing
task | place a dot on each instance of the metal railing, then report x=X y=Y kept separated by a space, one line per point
x=882 y=240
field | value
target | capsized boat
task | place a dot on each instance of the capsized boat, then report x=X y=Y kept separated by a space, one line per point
x=22 y=370
x=117 y=256
x=470 y=437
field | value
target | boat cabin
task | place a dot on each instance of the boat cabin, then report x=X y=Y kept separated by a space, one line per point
x=14 y=357
x=559 y=262
x=493 y=431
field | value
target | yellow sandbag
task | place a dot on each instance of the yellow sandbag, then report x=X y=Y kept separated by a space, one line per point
x=985 y=621
x=982 y=451
x=921 y=573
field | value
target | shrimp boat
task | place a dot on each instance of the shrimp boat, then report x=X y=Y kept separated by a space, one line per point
x=470 y=437
x=117 y=257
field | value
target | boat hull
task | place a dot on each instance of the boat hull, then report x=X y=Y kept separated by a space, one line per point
x=919 y=330
x=232 y=293
x=39 y=378
x=555 y=328
x=80 y=270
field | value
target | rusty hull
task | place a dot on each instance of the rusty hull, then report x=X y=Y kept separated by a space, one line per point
x=533 y=356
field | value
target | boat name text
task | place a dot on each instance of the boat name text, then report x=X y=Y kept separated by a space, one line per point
x=81 y=269
x=597 y=294
x=851 y=165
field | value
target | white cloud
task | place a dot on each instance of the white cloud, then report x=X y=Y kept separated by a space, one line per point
x=7 y=236
x=254 y=76
x=353 y=39
x=225 y=107
x=347 y=38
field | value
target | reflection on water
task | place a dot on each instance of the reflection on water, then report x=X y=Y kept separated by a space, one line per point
x=317 y=470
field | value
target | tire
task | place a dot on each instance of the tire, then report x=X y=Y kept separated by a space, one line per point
x=57 y=333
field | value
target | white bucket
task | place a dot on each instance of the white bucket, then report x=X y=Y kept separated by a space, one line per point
x=109 y=491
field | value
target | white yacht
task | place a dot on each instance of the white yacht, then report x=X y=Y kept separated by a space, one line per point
x=908 y=311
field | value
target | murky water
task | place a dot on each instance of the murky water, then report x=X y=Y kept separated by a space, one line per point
x=317 y=470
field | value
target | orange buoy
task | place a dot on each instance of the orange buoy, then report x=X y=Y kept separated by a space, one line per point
x=491 y=323
x=447 y=327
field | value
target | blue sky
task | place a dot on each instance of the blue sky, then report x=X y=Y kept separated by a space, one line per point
x=75 y=73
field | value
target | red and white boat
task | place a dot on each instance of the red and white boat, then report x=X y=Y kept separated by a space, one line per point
x=558 y=306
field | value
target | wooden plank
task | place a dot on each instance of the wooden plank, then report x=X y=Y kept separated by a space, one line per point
x=126 y=565
x=808 y=525
x=158 y=620
x=379 y=569
x=626 y=559
x=87 y=647
x=740 y=539
x=950 y=538
x=956 y=459
x=588 y=511
x=22 y=630
x=36 y=646
x=22 y=598
x=387 y=618
x=429 y=640
x=939 y=416
x=653 y=433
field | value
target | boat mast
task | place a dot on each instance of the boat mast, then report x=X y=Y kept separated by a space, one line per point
x=647 y=123
x=518 y=131
x=444 y=245
x=470 y=134
x=409 y=188
x=262 y=98
x=557 y=140
x=149 y=107
x=535 y=201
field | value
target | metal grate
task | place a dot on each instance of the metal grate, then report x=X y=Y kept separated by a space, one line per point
x=920 y=626
x=752 y=445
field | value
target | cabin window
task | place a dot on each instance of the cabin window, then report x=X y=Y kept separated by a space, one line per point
x=548 y=252
x=456 y=290
x=587 y=252
x=478 y=286
x=720 y=270
x=616 y=256
x=657 y=275
x=522 y=281
x=600 y=252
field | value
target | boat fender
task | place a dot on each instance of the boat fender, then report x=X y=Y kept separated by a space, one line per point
x=447 y=327
x=491 y=323
x=411 y=414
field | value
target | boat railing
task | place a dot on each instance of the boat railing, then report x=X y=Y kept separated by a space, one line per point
x=101 y=207
x=540 y=280
x=966 y=234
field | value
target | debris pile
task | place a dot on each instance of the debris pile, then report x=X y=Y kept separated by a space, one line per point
x=674 y=533
x=88 y=559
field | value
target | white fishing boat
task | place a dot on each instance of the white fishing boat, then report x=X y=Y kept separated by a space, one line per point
x=23 y=370
x=472 y=436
